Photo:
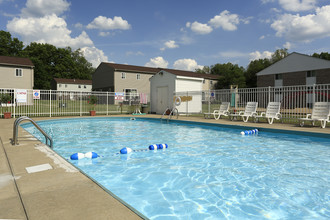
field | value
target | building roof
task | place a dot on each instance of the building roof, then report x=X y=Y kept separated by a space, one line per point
x=73 y=81
x=152 y=70
x=131 y=68
x=295 y=62
x=191 y=74
x=15 y=61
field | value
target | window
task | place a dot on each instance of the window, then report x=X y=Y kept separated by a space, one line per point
x=60 y=85
x=79 y=86
x=211 y=82
x=203 y=81
x=138 y=76
x=66 y=86
x=123 y=75
x=311 y=73
x=278 y=76
x=19 y=72
x=85 y=87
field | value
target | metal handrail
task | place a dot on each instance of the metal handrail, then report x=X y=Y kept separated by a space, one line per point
x=23 y=118
x=171 y=111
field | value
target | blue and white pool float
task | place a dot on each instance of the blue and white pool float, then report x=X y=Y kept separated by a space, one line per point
x=249 y=132
x=126 y=150
x=78 y=156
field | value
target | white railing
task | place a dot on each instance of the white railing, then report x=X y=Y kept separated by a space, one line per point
x=50 y=103
x=296 y=101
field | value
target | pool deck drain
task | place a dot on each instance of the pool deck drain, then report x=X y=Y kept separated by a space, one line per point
x=56 y=190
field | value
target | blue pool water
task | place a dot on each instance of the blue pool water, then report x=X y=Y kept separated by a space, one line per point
x=208 y=172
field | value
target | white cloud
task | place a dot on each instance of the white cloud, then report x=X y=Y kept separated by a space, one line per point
x=232 y=54
x=40 y=8
x=257 y=55
x=298 y=5
x=94 y=55
x=157 y=62
x=287 y=45
x=186 y=64
x=104 y=23
x=304 y=28
x=104 y=34
x=266 y=1
x=131 y=53
x=262 y=37
x=225 y=20
x=48 y=29
x=199 y=28
x=170 y=45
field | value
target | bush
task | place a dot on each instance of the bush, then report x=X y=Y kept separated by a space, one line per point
x=5 y=98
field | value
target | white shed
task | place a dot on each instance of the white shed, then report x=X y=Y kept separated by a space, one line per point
x=166 y=82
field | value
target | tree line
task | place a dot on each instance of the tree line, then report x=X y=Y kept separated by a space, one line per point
x=49 y=61
x=232 y=74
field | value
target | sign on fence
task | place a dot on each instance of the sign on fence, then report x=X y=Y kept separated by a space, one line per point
x=21 y=95
x=36 y=94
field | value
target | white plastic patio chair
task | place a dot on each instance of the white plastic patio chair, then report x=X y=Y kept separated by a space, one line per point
x=223 y=110
x=250 y=111
x=272 y=112
x=321 y=112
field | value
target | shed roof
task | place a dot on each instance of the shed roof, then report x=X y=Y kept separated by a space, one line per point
x=16 y=61
x=73 y=81
x=295 y=62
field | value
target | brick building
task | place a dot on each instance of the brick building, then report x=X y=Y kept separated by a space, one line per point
x=295 y=69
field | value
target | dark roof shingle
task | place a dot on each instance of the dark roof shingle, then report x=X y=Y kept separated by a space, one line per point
x=16 y=61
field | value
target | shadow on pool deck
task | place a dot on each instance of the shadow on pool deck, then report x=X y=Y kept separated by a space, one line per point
x=61 y=191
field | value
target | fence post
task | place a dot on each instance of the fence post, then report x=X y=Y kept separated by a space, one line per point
x=187 y=109
x=313 y=95
x=107 y=102
x=268 y=93
x=209 y=95
x=14 y=103
x=80 y=103
x=50 y=103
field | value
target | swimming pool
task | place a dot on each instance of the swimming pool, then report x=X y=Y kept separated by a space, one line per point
x=208 y=172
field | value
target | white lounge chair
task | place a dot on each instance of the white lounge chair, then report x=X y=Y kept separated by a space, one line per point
x=223 y=110
x=272 y=112
x=250 y=111
x=321 y=112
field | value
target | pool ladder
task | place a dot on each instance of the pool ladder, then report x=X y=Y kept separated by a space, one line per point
x=172 y=111
x=23 y=118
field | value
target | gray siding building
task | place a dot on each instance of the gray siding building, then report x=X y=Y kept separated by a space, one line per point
x=295 y=69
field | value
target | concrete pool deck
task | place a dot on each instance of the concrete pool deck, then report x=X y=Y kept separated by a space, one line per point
x=36 y=183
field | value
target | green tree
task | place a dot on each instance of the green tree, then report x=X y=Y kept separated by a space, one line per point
x=51 y=62
x=229 y=74
x=279 y=54
x=323 y=55
x=253 y=68
x=9 y=46
x=205 y=70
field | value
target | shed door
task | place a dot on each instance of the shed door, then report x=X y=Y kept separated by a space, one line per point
x=162 y=99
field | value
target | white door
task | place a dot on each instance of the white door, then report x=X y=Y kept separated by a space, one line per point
x=162 y=99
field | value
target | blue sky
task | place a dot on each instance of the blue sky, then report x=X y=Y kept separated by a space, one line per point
x=180 y=34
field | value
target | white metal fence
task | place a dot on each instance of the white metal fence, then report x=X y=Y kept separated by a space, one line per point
x=296 y=101
x=49 y=103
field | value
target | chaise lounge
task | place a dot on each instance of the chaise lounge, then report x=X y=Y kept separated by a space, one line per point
x=272 y=112
x=321 y=112
x=223 y=110
x=250 y=111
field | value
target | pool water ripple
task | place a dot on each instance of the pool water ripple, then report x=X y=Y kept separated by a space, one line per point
x=207 y=172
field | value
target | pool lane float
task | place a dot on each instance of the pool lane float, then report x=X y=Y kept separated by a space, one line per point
x=249 y=132
x=127 y=150
x=78 y=156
